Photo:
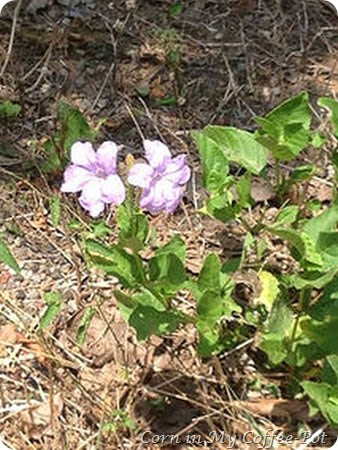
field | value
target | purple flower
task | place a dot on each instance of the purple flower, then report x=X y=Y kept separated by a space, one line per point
x=94 y=174
x=162 y=179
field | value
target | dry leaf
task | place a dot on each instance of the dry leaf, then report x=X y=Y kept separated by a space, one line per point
x=276 y=408
x=8 y=336
x=41 y=419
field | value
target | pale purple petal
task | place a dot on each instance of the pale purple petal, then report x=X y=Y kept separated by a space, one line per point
x=83 y=154
x=113 y=190
x=162 y=196
x=157 y=154
x=91 y=197
x=177 y=171
x=75 y=178
x=106 y=156
x=141 y=175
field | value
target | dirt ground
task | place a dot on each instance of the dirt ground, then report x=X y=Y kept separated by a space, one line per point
x=168 y=71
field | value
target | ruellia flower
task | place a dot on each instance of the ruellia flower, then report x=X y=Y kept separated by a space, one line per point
x=162 y=179
x=94 y=175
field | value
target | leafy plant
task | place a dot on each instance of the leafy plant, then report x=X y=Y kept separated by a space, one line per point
x=9 y=110
x=293 y=316
x=73 y=127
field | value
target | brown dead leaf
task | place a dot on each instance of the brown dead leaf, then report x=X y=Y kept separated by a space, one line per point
x=42 y=419
x=276 y=408
x=261 y=190
x=8 y=336
x=32 y=346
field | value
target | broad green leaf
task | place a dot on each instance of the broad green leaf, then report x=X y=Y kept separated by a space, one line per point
x=210 y=307
x=323 y=334
x=55 y=210
x=74 y=126
x=243 y=188
x=147 y=298
x=278 y=330
x=214 y=163
x=327 y=305
x=270 y=290
x=168 y=273
x=312 y=279
x=287 y=216
x=274 y=346
x=286 y=129
x=147 y=321
x=209 y=277
x=308 y=256
x=114 y=260
x=8 y=110
x=330 y=370
x=126 y=304
x=54 y=302
x=295 y=110
x=176 y=246
x=209 y=339
x=220 y=208
x=332 y=105
x=328 y=243
x=134 y=228
x=239 y=146
x=317 y=139
x=325 y=397
x=85 y=324
x=326 y=221
x=7 y=257
x=301 y=174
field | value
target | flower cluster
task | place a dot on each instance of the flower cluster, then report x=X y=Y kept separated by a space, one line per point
x=94 y=174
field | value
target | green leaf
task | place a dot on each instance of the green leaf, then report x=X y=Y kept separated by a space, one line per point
x=168 y=273
x=330 y=370
x=134 y=228
x=243 y=188
x=327 y=305
x=278 y=330
x=74 y=126
x=215 y=166
x=176 y=246
x=85 y=324
x=332 y=105
x=7 y=257
x=209 y=277
x=55 y=210
x=287 y=216
x=323 y=334
x=312 y=279
x=114 y=260
x=308 y=256
x=147 y=321
x=328 y=243
x=325 y=397
x=270 y=290
x=239 y=146
x=286 y=129
x=101 y=229
x=301 y=174
x=326 y=221
x=54 y=302
x=147 y=298
x=317 y=139
x=9 y=110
